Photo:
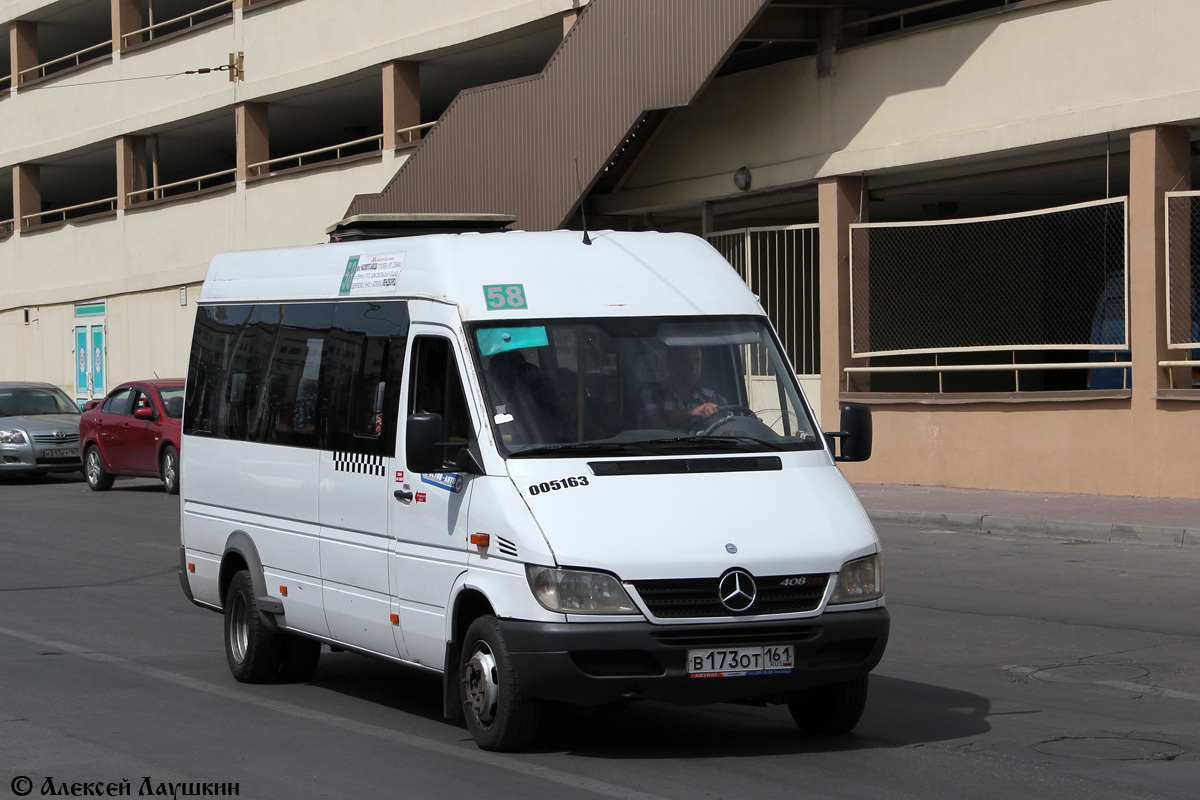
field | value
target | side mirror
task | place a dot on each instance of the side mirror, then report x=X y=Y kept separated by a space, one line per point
x=422 y=451
x=856 y=433
x=145 y=412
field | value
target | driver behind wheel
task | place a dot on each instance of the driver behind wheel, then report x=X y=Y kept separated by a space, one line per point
x=679 y=401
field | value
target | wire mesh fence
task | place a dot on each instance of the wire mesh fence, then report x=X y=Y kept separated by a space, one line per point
x=1183 y=270
x=780 y=265
x=1046 y=280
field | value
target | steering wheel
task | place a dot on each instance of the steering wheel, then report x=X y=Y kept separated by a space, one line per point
x=706 y=425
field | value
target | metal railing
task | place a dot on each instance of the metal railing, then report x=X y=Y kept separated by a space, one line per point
x=780 y=265
x=331 y=153
x=5 y=83
x=1052 y=280
x=413 y=133
x=77 y=58
x=188 y=19
x=6 y=226
x=158 y=192
x=1015 y=368
x=109 y=202
x=1183 y=284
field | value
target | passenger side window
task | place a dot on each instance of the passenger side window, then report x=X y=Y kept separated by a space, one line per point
x=360 y=377
x=314 y=375
x=436 y=387
x=118 y=403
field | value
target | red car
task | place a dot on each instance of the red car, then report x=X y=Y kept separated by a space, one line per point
x=134 y=431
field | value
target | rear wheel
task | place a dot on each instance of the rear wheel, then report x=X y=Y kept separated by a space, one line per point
x=500 y=714
x=169 y=469
x=831 y=710
x=98 y=479
x=254 y=652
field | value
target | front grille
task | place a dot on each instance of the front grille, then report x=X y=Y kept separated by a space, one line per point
x=699 y=597
x=743 y=637
x=50 y=438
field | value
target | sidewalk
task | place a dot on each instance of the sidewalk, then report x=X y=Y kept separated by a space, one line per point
x=1097 y=518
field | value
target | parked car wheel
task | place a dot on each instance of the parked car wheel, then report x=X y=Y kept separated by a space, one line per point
x=500 y=715
x=831 y=710
x=253 y=651
x=98 y=479
x=170 y=469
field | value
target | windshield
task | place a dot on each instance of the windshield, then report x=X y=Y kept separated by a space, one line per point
x=643 y=386
x=31 y=401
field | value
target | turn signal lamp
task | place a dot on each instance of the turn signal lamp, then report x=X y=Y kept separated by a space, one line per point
x=481 y=539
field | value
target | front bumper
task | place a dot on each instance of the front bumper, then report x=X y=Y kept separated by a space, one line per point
x=29 y=459
x=595 y=663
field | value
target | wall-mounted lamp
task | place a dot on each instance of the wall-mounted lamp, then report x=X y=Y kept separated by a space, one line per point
x=741 y=178
x=183 y=295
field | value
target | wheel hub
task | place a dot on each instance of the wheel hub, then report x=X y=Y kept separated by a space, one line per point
x=480 y=686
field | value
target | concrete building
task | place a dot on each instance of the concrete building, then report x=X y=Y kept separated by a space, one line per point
x=958 y=212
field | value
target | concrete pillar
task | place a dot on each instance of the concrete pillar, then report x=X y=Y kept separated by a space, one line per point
x=22 y=50
x=568 y=20
x=126 y=18
x=131 y=170
x=401 y=101
x=706 y=218
x=840 y=202
x=27 y=193
x=253 y=140
x=1158 y=163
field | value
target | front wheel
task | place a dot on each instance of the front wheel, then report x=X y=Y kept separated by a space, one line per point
x=831 y=710
x=98 y=479
x=500 y=714
x=169 y=469
x=254 y=652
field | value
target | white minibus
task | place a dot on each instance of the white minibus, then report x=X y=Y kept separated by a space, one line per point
x=550 y=471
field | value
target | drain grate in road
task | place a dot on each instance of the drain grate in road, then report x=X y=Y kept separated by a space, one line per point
x=1110 y=748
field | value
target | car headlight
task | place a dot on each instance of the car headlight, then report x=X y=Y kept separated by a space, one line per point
x=569 y=591
x=12 y=437
x=859 y=580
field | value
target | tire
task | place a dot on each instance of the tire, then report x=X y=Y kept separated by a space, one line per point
x=169 y=469
x=500 y=714
x=98 y=479
x=299 y=659
x=831 y=710
x=254 y=652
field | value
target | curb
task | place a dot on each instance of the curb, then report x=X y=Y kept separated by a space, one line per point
x=1072 y=530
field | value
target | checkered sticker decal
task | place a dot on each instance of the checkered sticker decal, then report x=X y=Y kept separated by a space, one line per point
x=358 y=463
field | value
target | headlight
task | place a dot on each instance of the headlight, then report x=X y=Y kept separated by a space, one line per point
x=569 y=591
x=12 y=437
x=859 y=580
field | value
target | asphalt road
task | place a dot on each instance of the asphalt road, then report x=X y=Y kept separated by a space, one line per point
x=1017 y=668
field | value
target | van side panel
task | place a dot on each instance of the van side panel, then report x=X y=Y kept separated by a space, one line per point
x=266 y=492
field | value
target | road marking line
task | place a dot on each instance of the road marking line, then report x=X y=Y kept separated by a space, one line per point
x=376 y=731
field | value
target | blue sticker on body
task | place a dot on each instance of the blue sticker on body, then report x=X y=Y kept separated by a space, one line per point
x=444 y=480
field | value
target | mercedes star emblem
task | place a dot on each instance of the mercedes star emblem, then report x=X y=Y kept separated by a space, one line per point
x=736 y=590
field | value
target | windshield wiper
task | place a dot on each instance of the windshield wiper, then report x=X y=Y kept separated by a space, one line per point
x=715 y=440
x=577 y=447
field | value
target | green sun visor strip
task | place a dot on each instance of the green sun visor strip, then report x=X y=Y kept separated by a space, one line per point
x=501 y=340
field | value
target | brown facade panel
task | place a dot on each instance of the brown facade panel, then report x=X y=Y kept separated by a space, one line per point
x=511 y=148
